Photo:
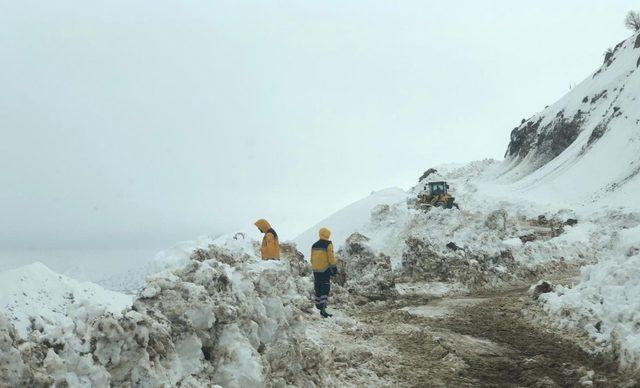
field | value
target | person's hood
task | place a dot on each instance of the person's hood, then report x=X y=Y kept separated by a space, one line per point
x=263 y=225
x=324 y=234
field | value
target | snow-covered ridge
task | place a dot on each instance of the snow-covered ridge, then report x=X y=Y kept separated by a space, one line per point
x=36 y=291
x=605 y=304
x=586 y=146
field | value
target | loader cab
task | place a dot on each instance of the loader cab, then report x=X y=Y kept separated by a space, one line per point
x=438 y=188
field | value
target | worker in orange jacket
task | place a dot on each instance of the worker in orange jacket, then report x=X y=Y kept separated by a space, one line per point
x=270 y=249
x=323 y=263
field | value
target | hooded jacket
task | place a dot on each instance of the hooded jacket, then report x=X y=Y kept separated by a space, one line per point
x=322 y=257
x=270 y=249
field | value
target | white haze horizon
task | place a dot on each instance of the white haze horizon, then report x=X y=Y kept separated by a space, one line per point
x=127 y=126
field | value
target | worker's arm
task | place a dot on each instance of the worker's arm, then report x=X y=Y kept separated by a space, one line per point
x=263 y=247
x=330 y=255
x=332 y=259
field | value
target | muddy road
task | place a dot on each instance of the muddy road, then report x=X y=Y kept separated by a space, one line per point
x=482 y=341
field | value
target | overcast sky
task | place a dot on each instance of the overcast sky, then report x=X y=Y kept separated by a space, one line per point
x=124 y=121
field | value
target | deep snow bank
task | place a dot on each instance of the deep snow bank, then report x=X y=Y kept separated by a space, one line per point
x=491 y=242
x=605 y=304
x=466 y=250
x=225 y=318
x=36 y=291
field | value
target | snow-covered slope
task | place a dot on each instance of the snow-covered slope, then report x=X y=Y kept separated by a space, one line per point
x=351 y=218
x=585 y=148
x=583 y=152
x=36 y=291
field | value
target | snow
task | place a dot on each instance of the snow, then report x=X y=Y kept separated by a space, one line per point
x=350 y=219
x=241 y=366
x=604 y=172
x=178 y=255
x=210 y=312
x=440 y=308
x=605 y=304
x=121 y=269
x=35 y=290
x=429 y=289
x=225 y=318
x=600 y=181
x=495 y=216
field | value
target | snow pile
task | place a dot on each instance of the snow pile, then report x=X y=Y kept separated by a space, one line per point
x=179 y=255
x=364 y=271
x=489 y=243
x=465 y=250
x=351 y=218
x=36 y=291
x=225 y=318
x=11 y=364
x=605 y=304
x=459 y=172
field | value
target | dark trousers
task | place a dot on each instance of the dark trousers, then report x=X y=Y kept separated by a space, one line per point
x=322 y=286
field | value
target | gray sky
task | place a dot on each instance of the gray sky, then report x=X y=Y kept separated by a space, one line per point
x=124 y=121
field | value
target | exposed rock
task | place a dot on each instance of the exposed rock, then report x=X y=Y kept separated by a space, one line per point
x=602 y=94
x=571 y=222
x=451 y=245
x=426 y=174
x=545 y=382
x=544 y=143
x=608 y=57
x=523 y=139
x=542 y=287
x=527 y=238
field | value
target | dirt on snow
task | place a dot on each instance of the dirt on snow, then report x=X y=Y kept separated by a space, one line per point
x=468 y=342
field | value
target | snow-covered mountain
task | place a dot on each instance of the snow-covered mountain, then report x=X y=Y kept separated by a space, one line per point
x=584 y=148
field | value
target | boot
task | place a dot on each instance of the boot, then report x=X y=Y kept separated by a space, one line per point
x=325 y=314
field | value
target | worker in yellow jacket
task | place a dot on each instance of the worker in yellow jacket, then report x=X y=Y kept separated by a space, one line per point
x=323 y=263
x=270 y=249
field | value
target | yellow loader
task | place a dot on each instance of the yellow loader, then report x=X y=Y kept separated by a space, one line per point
x=436 y=195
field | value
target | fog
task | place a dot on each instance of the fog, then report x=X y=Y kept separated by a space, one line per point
x=140 y=124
